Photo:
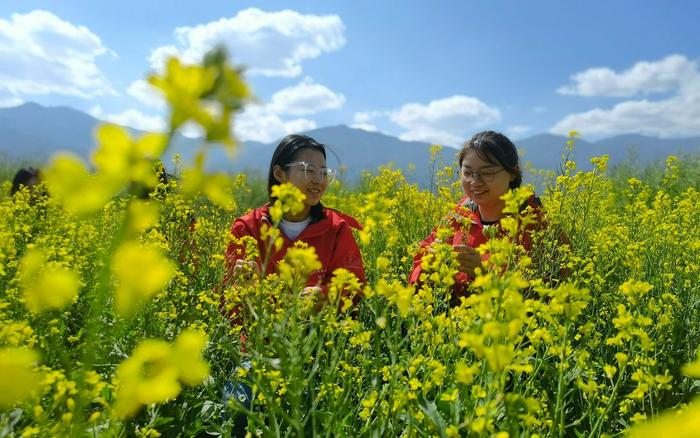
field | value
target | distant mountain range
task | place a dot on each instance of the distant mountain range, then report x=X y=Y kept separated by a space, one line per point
x=34 y=132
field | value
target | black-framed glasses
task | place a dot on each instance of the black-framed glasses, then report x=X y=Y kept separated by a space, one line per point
x=313 y=173
x=486 y=175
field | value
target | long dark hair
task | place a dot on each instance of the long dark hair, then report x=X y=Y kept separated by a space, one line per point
x=285 y=153
x=25 y=177
x=495 y=148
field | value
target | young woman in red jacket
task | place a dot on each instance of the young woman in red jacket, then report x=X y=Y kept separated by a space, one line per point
x=301 y=161
x=489 y=167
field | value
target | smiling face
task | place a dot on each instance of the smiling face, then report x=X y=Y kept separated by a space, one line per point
x=306 y=181
x=487 y=188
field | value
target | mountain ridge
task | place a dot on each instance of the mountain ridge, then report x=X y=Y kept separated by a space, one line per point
x=34 y=131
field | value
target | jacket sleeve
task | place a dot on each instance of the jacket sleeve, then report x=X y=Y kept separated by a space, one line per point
x=414 y=276
x=235 y=250
x=346 y=254
x=461 y=278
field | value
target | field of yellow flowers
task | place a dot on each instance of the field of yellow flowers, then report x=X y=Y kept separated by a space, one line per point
x=110 y=319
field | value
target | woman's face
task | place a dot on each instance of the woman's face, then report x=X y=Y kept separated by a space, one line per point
x=484 y=182
x=307 y=178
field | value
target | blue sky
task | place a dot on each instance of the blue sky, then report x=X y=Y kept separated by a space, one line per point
x=429 y=71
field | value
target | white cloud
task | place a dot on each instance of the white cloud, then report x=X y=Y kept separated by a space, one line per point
x=265 y=122
x=145 y=93
x=642 y=78
x=96 y=112
x=362 y=120
x=518 y=131
x=138 y=120
x=307 y=97
x=132 y=118
x=446 y=121
x=368 y=116
x=6 y=102
x=43 y=54
x=365 y=127
x=673 y=116
x=433 y=136
x=192 y=130
x=267 y=43
x=260 y=123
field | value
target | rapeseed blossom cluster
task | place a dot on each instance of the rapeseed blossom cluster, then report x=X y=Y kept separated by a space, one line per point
x=19 y=379
x=106 y=298
x=153 y=372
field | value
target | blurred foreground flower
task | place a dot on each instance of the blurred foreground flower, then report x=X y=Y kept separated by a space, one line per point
x=140 y=272
x=155 y=369
x=693 y=369
x=18 y=379
x=46 y=287
x=682 y=423
x=118 y=160
x=206 y=94
x=81 y=192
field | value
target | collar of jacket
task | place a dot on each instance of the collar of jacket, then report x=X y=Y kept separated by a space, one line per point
x=319 y=221
x=318 y=213
x=466 y=203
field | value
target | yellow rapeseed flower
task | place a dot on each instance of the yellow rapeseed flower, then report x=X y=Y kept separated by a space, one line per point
x=464 y=373
x=206 y=94
x=18 y=379
x=140 y=272
x=187 y=357
x=298 y=264
x=677 y=424
x=288 y=199
x=142 y=215
x=148 y=376
x=693 y=369
x=215 y=186
x=46 y=287
x=452 y=431
x=183 y=86
x=120 y=158
x=79 y=191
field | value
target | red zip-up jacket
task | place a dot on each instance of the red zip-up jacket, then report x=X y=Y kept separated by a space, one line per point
x=475 y=237
x=330 y=234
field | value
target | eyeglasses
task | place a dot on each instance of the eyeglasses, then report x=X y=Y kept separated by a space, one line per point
x=313 y=173
x=483 y=175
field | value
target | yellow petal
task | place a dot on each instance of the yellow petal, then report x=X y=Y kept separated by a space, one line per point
x=18 y=380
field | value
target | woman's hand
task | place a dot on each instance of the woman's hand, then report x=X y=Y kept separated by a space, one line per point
x=468 y=258
x=245 y=270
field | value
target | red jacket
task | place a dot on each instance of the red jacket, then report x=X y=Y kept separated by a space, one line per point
x=330 y=235
x=475 y=237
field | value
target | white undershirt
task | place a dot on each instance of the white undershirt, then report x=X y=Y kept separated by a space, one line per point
x=293 y=229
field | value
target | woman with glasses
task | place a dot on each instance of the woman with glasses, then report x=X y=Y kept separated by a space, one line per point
x=489 y=167
x=301 y=161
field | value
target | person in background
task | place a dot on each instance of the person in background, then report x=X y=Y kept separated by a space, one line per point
x=25 y=177
x=489 y=167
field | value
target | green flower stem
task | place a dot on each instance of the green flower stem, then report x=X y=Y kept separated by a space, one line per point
x=609 y=405
x=561 y=403
x=92 y=350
